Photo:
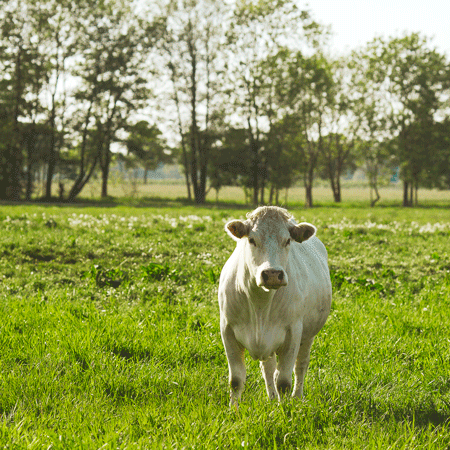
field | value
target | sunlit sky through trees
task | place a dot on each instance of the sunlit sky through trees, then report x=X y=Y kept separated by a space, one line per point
x=355 y=22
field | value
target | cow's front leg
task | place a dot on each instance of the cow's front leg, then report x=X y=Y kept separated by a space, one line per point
x=268 y=369
x=286 y=361
x=236 y=364
x=301 y=366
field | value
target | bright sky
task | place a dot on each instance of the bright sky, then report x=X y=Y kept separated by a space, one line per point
x=355 y=22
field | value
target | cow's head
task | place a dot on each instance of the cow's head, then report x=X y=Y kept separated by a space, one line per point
x=268 y=233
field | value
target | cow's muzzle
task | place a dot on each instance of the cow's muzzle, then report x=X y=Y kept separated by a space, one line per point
x=273 y=278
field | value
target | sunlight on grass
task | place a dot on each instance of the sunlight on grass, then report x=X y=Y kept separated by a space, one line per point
x=110 y=334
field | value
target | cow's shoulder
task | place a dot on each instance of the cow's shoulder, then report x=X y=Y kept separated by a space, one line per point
x=308 y=264
x=312 y=249
x=233 y=276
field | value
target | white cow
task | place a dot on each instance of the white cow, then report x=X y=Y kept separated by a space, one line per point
x=274 y=297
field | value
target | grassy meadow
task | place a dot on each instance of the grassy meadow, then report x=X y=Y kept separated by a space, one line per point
x=109 y=333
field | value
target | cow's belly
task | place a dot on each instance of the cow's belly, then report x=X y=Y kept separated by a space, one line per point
x=262 y=342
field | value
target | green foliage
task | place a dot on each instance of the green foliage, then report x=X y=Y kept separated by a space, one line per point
x=255 y=75
x=155 y=271
x=145 y=142
x=107 y=277
x=407 y=73
x=110 y=333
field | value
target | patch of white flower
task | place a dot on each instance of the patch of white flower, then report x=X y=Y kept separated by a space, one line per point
x=130 y=222
x=120 y=222
x=393 y=227
x=22 y=221
x=432 y=228
x=87 y=221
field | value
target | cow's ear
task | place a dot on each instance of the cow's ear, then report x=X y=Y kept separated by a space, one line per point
x=237 y=229
x=302 y=231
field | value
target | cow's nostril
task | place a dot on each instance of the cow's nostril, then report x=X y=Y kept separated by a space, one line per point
x=280 y=276
x=265 y=277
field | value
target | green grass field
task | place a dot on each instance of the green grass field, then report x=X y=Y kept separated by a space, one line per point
x=110 y=333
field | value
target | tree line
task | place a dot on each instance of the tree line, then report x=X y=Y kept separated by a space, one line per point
x=245 y=92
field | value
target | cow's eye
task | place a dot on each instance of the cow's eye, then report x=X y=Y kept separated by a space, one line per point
x=288 y=242
x=252 y=241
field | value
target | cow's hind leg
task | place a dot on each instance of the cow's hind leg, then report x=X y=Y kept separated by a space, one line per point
x=268 y=369
x=301 y=366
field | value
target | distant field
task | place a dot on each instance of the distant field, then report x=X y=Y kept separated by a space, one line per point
x=296 y=195
x=110 y=333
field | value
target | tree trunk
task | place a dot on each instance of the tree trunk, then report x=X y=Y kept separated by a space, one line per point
x=264 y=178
x=180 y=130
x=203 y=153
x=405 y=193
x=337 y=191
x=188 y=183
x=51 y=154
x=81 y=181
x=377 y=195
x=255 y=164
x=105 y=161
x=105 y=175
x=334 y=175
x=199 y=192
x=308 y=180
x=186 y=171
x=271 y=194
x=331 y=176
x=255 y=177
x=193 y=172
x=31 y=148
x=308 y=196
x=11 y=174
x=105 y=145
x=15 y=187
x=308 y=188
x=29 y=187
x=52 y=149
